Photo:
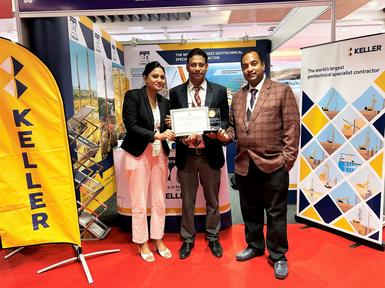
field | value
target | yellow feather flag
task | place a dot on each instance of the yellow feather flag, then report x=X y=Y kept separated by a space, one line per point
x=37 y=195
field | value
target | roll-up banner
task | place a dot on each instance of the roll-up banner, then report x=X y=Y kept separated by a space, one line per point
x=97 y=69
x=37 y=196
x=341 y=178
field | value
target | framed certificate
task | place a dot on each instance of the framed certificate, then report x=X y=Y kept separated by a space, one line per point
x=186 y=121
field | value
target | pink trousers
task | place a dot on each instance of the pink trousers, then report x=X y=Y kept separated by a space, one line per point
x=147 y=184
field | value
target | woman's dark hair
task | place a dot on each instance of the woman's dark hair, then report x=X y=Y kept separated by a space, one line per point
x=196 y=51
x=151 y=66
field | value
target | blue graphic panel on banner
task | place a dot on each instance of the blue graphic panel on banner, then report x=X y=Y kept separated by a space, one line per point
x=379 y=124
x=121 y=56
x=370 y=103
x=375 y=236
x=305 y=136
x=375 y=205
x=314 y=188
x=327 y=209
x=347 y=159
x=303 y=202
x=218 y=55
x=83 y=71
x=367 y=143
x=365 y=182
x=314 y=154
x=331 y=139
x=345 y=197
x=328 y=174
x=107 y=47
x=306 y=103
x=332 y=103
x=88 y=35
x=349 y=122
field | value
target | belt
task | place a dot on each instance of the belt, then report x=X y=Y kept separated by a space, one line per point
x=196 y=151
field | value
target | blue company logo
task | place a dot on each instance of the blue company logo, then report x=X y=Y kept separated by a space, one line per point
x=364 y=49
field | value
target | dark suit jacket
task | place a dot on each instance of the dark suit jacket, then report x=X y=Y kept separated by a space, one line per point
x=271 y=137
x=216 y=97
x=139 y=121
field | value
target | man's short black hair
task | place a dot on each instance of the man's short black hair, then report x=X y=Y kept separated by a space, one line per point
x=197 y=51
x=250 y=51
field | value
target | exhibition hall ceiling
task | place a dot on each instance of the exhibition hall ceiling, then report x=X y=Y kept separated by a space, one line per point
x=354 y=18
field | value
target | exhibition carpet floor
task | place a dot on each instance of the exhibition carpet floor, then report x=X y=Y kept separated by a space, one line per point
x=316 y=259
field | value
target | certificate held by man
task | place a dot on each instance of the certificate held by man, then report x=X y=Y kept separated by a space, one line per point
x=186 y=121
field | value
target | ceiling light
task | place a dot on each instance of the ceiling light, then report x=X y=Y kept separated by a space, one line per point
x=133 y=42
x=183 y=40
x=245 y=37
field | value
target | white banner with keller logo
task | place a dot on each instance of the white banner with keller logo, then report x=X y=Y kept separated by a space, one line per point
x=341 y=177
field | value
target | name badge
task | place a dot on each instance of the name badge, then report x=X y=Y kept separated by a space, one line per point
x=156 y=148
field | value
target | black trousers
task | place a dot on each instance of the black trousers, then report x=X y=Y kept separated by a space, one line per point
x=259 y=192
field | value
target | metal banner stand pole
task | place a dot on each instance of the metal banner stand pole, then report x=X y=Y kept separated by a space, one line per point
x=13 y=252
x=80 y=257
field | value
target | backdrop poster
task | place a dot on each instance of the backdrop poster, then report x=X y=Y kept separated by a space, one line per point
x=224 y=68
x=287 y=70
x=341 y=178
x=37 y=195
x=91 y=52
x=104 y=90
x=120 y=87
x=83 y=71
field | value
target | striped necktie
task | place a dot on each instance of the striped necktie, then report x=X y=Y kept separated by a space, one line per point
x=197 y=97
x=253 y=92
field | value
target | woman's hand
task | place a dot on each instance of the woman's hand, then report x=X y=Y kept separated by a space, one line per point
x=168 y=134
x=167 y=121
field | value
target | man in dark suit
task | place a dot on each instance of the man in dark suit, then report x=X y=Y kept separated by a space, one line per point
x=199 y=158
x=264 y=120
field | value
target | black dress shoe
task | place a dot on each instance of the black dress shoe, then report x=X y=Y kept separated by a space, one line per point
x=216 y=248
x=281 y=269
x=185 y=250
x=248 y=254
